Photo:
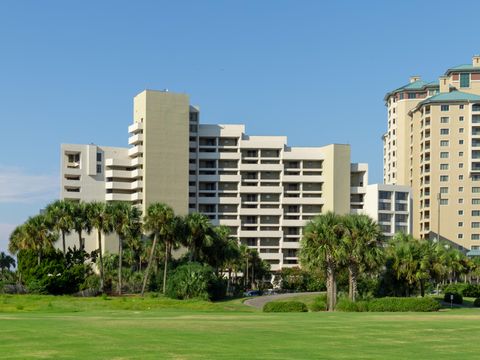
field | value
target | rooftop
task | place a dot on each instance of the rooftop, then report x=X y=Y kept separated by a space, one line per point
x=451 y=96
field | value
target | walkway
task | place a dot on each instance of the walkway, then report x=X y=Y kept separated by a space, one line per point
x=259 y=301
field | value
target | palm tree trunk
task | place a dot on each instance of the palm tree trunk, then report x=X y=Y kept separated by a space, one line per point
x=330 y=305
x=422 y=289
x=150 y=260
x=246 y=275
x=334 y=290
x=165 y=267
x=80 y=242
x=63 y=243
x=100 y=257
x=352 y=283
x=120 y=253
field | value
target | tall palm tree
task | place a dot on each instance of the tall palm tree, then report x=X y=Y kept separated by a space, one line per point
x=60 y=215
x=99 y=217
x=199 y=234
x=362 y=248
x=34 y=234
x=80 y=222
x=174 y=235
x=125 y=221
x=158 y=220
x=321 y=249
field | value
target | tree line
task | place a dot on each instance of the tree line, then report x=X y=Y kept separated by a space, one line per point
x=143 y=241
x=402 y=266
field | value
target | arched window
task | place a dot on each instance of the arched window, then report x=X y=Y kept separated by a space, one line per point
x=476 y=107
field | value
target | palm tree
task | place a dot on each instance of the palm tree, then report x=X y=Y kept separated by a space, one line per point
x=34 y=234
x=199 y=234
x=80 y=221
x=125 y=221
x=6 y=262
x=321 y=249
x=60 y=215
x=99 y=217
x=158 y=220
x=362 y=248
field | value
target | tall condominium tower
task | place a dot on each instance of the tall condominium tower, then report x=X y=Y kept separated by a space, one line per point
x=258 y=186
x=433 y=145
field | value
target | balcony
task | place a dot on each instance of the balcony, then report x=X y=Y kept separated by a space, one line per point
x=118 y=197
x=135 y=128
x=135 y=139
x=125 y=174
x=135 y=151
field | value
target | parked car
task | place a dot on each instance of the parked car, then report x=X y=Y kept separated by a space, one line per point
x=252 y=293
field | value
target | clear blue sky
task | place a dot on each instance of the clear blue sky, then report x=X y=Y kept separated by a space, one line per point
x=315 y=71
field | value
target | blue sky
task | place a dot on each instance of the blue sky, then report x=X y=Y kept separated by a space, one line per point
x=315 y=71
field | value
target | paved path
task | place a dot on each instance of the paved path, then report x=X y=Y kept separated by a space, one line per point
x=259 y=301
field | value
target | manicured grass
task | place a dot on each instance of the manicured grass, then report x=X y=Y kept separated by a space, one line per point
x=165 y=329
x=307 y=299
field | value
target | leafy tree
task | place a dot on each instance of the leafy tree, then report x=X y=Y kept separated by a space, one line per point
x=80 y=221
x=34 y=234
x=159 y=220
x=126 y=222
x=6 y=262
x=200 y=234
x=60 y=216
x=321 y=249
x=99 y=217
x=362 y=248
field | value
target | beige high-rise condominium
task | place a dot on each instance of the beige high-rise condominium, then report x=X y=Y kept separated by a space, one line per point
x=260 y=187
x=433 y=145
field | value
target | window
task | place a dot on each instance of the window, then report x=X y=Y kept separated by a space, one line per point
x=443 y=178
x=99 y=156
x=461 y=130
x=444 y=120
x=464 y=80
x=460 y=177
x=444 y=190
x=460 y=165
x=444 y=155
x=443 y=201
x=460 y=189
x=475 y=201
x=460 y=201
x=443 y=166
x=460 y=153
x=443 y=142
x=412 y=96
x=444 y=108
x=99 y=169
x=460 y=236
x=475 y=212
x=460 y=212
x=460 y=224
x=460 y=118
x=444 y=131
x=460 y=142
x=476 y=107
x=461 y=107
x=475 y=236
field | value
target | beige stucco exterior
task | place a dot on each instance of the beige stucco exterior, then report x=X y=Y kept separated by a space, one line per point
x=260 y=187
x=436 y=152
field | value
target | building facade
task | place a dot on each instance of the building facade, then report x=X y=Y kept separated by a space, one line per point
x=260 y=187
x=433 y=145
x=390 y=206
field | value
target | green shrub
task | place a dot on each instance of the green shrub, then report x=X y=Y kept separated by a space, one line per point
x=194 y=280
x=464 y=289
x=319 y=304
x=390 y=304
x=476 y=303
x=285 y=306
x=457 y=298
x=394 y=304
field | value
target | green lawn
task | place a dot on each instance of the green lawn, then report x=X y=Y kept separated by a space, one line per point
x=158 y=328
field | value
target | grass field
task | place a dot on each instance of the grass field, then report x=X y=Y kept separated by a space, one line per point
x=158 y=328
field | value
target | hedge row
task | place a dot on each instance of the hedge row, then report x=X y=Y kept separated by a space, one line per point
x=390 y=304
x=457 y=298
x=285 y=306
x=464 y=289
x=319 y=304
